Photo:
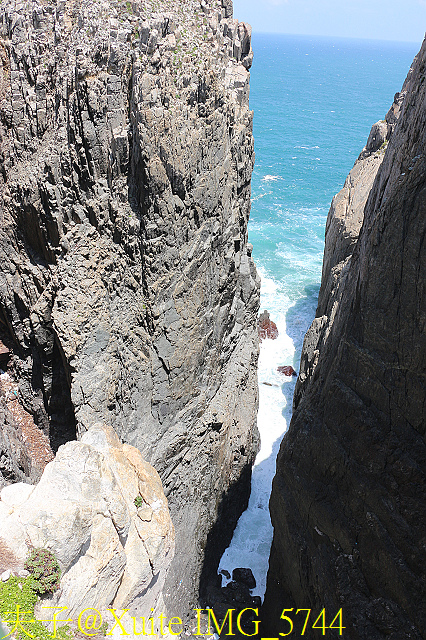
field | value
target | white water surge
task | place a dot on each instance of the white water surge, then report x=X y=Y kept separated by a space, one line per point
x=250 y=545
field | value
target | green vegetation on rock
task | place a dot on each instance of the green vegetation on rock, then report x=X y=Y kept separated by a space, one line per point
x=44 y=570
x=17 y=601
x=138 y=501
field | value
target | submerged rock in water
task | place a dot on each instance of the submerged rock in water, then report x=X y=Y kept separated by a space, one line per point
x=266 y=328
x=287 y=370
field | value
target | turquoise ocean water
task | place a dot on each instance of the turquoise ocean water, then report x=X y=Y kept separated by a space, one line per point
x=314 y=100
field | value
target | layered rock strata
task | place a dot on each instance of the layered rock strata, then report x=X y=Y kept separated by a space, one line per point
x=128 y=294
x=349 y=498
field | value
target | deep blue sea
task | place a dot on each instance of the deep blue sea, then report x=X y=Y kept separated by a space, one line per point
x=314 y=101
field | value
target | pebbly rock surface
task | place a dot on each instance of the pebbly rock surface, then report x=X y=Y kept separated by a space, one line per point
x=348 y=503
x=128 y=294
x=110 y=551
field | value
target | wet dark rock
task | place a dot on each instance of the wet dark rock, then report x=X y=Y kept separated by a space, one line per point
x=237 y=596
x=244 y=576
x=266 y=327
x=287 y=370
x=237 y=592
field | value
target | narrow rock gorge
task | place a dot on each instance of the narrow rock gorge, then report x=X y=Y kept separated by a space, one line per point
x=348 y=503
x=128 y=295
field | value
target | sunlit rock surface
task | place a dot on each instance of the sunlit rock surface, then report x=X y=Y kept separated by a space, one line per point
x=111 y=552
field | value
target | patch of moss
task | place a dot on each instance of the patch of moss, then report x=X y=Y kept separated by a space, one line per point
x=18 y=597
x=138 y=501
x=17 y=601
x=103 y=629
x=16 y=591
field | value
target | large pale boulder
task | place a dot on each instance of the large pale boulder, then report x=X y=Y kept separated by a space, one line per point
x=111 y=552
x=15 y=494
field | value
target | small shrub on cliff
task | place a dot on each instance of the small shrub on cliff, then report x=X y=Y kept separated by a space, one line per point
x=138 y=501
x=44 y=570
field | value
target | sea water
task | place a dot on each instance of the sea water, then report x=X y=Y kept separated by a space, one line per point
x=314 y=101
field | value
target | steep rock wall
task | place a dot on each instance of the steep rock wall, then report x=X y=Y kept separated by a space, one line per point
x=349 y=498
x=128 y=294
x=344 y=222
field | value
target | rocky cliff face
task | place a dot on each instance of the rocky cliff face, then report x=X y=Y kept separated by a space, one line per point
x=127 y=293
x=348 y=502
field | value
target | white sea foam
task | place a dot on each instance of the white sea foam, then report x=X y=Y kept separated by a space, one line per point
x=269 y=178
x=287 y=230
x=261 y=195
x=269 y=286
x=252 y=538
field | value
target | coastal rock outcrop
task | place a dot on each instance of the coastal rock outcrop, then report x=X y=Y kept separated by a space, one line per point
x=128 y=294
x=266 y=328
x=286 y=370
x=348 y=503
x=344 y=222
x=111 y=552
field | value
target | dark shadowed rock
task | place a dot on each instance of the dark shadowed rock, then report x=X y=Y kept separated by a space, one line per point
x=127 y=287
x=4 y=353
x=377 y=137
x=228 y=6
x=235 y=596
x=244 y=576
